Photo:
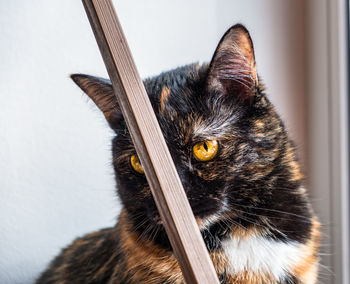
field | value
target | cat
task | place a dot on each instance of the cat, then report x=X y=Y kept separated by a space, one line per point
x=239 y=170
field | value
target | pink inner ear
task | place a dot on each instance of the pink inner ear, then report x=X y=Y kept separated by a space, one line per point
x=232 y=70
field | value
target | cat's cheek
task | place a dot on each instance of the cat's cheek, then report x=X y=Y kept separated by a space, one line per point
x=259 y=171
x=215 y=170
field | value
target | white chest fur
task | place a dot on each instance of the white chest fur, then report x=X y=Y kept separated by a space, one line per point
x=261 y=255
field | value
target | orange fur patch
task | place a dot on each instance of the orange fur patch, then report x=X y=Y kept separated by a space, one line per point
x=307 y=269
x=294 y=166
x=247 y=277
x=163 y=97
x=259 y=126
x=146 y=262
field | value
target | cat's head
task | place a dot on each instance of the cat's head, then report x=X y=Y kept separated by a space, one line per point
x=228 y=144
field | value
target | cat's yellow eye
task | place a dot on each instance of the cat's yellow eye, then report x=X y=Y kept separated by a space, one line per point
x=205 y=151
x=136 y=164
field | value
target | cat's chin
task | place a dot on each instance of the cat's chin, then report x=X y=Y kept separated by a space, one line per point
x=221 y=216
x=206 y=222
x=202 y=222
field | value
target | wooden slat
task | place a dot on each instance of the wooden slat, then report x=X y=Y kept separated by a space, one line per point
x=167 y=190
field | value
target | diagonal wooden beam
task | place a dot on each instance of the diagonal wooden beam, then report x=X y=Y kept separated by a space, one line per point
x=167 y=190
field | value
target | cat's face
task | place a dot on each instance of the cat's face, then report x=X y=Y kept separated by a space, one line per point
x=223 y=134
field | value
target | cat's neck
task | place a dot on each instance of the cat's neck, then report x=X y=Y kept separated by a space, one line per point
x=237 y=253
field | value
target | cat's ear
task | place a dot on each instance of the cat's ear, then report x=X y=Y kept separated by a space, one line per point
x=232 y=70
x=101 y=92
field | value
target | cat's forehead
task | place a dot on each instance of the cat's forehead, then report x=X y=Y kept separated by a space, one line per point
x=184 y=110
x=174 y=79
x=173 y=94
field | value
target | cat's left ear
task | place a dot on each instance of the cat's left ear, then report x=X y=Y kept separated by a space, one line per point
x=101 y=92
x=232 y=70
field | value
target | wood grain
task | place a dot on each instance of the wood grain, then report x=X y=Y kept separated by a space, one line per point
x=167 y=190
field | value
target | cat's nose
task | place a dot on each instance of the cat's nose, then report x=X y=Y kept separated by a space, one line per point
x=184 y=169
x=184 y=178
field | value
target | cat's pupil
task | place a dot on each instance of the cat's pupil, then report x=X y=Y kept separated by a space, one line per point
x=205 y=146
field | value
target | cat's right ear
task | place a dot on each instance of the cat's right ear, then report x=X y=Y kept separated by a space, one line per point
x=101 y=92
x=232 y=70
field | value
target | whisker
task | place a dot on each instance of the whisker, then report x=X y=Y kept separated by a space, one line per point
x=270 y=217
x=271 y=210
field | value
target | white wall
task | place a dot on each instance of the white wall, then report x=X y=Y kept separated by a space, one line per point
x=56 y=182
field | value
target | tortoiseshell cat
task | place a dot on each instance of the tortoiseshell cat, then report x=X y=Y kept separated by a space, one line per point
x=239 y=170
